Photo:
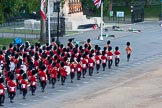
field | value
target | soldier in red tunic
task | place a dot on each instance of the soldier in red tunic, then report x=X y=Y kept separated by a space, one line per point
x=24 y=85
x=89 y=42
x=110 y=57
x=84 y=65
x=33 y=82
x=43 y=77
x=90 y=64
x=104 y=60
x=128 y=50
x=63 y=73
x=98 y=61
x=78 y=68
x=117 y=56
x=108 y=44
x=12 y=88
x=72 y=69
x=53 y=74
x=20 y=77
x=2 y=91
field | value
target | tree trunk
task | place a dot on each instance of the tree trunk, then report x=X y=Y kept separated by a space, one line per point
x=43 y=31
x=146 y=3
x=126 y=3
x=43 y=28
x=110 y=5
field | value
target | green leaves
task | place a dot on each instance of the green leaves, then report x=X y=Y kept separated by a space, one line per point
x=15 y=8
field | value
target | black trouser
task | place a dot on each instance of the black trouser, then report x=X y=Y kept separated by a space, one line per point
x=33 y=88
x=63 y=79
x=2 y=98
x=72 y=75
x=24 y=92
x=12 y=95
x=84 y=72
x=117 y=60
x=90 y=71
x=128 y=57
x=104 y=66
x=110 y=63
x=53 y=81
x=43 y=85
x=49 y=78
x=20 y=88
x=78 y=75
x=17 y=83
x=97 y=67
x=58 y=76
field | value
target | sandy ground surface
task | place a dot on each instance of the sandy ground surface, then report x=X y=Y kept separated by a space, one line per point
x=144 y=91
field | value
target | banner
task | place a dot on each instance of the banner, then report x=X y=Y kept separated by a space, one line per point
x=97 y=3
x=42 y=9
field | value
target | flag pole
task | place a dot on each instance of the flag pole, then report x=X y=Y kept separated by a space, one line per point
x=49 y=32
x=101 y=35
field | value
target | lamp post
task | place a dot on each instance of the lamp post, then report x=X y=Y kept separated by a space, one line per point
x=57 y=9
x=160 y=10
x=132 y=10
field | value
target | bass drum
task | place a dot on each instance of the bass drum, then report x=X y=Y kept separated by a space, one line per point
x=67 y=69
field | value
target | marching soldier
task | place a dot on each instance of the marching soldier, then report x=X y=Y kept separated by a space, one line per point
x=63 y=73
x=98 y=61
x=33 y=82
x=90 y=64
x=53 y=74
x=2 y=91
x=20 y=77
x=117 y=56
x=104 y=60
x=12 y=88
x=84 y=65
x=72 y=69
x=128 y=50
x=78 y=68
x=24 y=85
x=110 y=57
x=108 y=44
x=43 y=77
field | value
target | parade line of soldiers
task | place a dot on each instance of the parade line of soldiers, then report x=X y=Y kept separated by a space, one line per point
x=24 y=66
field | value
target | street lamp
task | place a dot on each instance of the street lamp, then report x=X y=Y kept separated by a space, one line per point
x=57 y=9
x=160 y=10
x=132 y=11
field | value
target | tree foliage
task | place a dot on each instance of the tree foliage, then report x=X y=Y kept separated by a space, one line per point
x=17 y=8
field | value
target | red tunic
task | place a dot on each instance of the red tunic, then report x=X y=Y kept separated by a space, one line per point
x=2 y=90
x=109 y=55
x=84 y=63
x=24 y=84
x=63 y=71
x=91 y=62
x=79 y=67
x=49 y=67
x=72 y=68
x=19 y=79
x=36 y=64
x=11 y=86
x=43 y=76
x=17 y=72
x=33 y=81
x=103 y=59
x=97 y=58
x=117 y=53
x=53 y=72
